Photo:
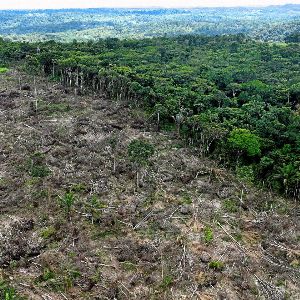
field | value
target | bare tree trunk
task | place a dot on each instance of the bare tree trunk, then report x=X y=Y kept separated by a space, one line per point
x=34 y=84
x=137 y=179
x=53 y=69
x=114 y=164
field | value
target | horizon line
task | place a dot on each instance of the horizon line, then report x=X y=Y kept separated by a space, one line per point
x=148 y=7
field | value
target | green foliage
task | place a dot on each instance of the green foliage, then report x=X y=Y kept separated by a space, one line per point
x=102 y=234
x=54 y=108
x=166 y=282
x=216 y=265
x=274 y=23
x=78 y=188
x=67 y=201
x=48 y=232
x=3 y=70
x=230 y=205
x=60 y=280
x=69 y=278
x=36 y=167
x=7 y=292
x=244 y=141
x=139 y=152
x=208 y=234
x=293 y=38
x=246 y=114
x=185 y=198
x=245 y=173
x=39 y=171
x=129 y=266
x=47 y=274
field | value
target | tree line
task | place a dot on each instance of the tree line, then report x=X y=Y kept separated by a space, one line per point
x=233 y=98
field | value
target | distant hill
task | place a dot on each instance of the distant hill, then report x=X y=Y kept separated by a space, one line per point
x=271 y=23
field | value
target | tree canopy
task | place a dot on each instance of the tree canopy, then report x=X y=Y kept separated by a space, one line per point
x=223 y=94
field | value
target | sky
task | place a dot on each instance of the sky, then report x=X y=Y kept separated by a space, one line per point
x=37 y=4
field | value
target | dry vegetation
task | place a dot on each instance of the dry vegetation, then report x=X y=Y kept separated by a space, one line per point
x=74 y=224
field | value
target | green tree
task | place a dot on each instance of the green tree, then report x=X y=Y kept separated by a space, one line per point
x=243 y=141
x=139 y=152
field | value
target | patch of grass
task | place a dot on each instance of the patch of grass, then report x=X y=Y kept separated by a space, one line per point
x=166 y=282
x=54 y=245
x=208 y=234
x=216 y=265
x=3 y=182
x=178 y=145
x=295 y=263
x=32 y=182
x=281 y=282
x=230 y=206
x=48 y=232
x=106 y=233
x=36 y=167
x=238 y=236
x=94 y=207
x=96 y=277
x=8 y=293
x=70 y=276
x=186 y=199
x=128 y=266
x=39 y=171
x=97 y=203
x=71 y=254
x=48 y=274
x=41 y=194
x=59 y=281
x=245 y=173
x=149 y=231
x=168 y=127
x=53 y=108
x=78 y=188
x=13 y=264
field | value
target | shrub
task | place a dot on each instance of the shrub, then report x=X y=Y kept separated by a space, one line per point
x=139 y=152
x=216 y=265
x=3 y=70
x=7 y=292
x=39 y=171
x=67 y=201
x=208 y=234
x=245 y=173
x=47 y=274
x=36 y=166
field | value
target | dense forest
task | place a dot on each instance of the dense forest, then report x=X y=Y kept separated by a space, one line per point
x=272 y=23
x=233 y=98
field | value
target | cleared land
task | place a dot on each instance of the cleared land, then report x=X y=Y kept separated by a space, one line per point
x=189 y=230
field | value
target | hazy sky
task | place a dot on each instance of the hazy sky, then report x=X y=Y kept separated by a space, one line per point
x=30 y=4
